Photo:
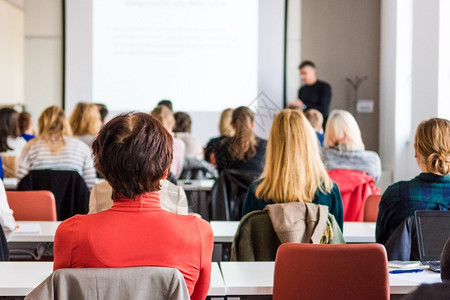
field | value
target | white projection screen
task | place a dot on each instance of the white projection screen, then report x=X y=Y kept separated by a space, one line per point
x=203 y=55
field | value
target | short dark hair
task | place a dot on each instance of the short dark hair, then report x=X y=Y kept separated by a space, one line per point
x=103 y=110
x=9 y=126
x=166 y=103
x=132 y=152
x=182 y=122
x=307 y=63
x=445 y=262
x=24 y=121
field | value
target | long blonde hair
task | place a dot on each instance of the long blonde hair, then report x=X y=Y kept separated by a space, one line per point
x=293 y=171
x=164 y=115
x=432 y=142
x=85 y=119
x=342 y=132
x=225 y=127
x=53 y=127
x=242 y=146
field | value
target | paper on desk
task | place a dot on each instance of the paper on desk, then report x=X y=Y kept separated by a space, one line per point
x=419 y=278
x=29 y=228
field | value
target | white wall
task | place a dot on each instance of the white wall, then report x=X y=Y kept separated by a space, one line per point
x=11 y=52
x=43 y=55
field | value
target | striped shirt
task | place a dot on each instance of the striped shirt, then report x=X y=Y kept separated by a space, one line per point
x=74 y=156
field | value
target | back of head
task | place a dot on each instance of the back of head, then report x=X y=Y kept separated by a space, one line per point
x=133 y=152
x=85 y=119
x=315 y=118
x=182 y=122
x=432 y=143
x=242 y=145
x=166 y=103
x=164 y=115
x=445 y=262
x=293 y=170
x=53 y=126
x=103 y=110
x=9 y=127
x=24 y=122
x=225 y=127
x=307 y=63
x=342 y=132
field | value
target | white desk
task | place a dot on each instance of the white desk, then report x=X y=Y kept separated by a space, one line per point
x=256 y=278
x=47 y=234
x=20 y=278
x=196 y=184
x=354 y=232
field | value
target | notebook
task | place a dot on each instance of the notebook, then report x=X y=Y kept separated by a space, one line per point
x=433 y=229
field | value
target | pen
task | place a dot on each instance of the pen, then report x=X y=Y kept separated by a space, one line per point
x=405 y=271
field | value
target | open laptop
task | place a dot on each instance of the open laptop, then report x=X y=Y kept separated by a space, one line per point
x=433 y=229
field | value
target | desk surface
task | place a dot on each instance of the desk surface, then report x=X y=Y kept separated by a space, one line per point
x=354 y=232
x=47 y=233
x=256 y=278
x=20 y=278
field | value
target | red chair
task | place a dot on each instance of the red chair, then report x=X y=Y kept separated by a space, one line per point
x=371 y=208
x=32 y=205
x=310 y=271
x=355 y=187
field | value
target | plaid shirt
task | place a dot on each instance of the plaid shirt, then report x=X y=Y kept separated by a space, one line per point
x=425 y=192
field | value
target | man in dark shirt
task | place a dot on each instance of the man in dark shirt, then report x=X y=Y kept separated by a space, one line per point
x=314 y=93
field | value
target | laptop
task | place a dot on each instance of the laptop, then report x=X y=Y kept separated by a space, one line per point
x=433 y=229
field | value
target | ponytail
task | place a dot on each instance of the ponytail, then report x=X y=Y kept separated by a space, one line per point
x=242 y=145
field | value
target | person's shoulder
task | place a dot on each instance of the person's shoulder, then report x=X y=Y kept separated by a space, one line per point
x=394 y=191
x=323 y=83
x=70 y=223
x=77 y=143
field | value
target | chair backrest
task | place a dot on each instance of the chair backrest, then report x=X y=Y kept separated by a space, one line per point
x=371 y=208
x=355 y=187
x=113 y=283
x=310 y=271
x=69 y=188
x=228 y=194
x=32 y=205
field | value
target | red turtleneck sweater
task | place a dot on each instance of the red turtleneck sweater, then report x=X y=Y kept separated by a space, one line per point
x=138 y=233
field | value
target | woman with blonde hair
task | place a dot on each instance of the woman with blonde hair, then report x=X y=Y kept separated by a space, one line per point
x=293 y=171
x=344 y=148
x=225 y=129
x=430 y=190
x=243 y=151
x=56 y=149
x=85 y=122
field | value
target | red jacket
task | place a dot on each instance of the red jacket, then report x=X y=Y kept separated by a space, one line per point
x=138 y=233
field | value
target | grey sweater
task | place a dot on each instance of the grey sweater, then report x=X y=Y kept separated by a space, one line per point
x=362 y=160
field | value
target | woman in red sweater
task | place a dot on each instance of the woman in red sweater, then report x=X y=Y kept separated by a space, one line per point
x=133 y=152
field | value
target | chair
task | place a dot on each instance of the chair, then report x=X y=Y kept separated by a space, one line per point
x=228 y=194
x=32 y=205
x=68 y=187
x=371 y=208
x=355 y=187
x=113 y=283
x=309 y=271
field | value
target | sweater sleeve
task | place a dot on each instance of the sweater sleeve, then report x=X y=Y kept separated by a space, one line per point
x=89 y=174
x=202 y=285
x=6 y=214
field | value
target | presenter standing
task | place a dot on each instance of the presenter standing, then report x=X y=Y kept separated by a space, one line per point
x=314 y=93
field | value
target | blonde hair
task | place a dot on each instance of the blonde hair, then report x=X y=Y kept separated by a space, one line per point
x=85 y=119
x=432 y=142
x=225 y=127
x=293 y=171
x=242 y=146
x=315 y=118
x=342 y=132
x=164 y=115
x=53 y=127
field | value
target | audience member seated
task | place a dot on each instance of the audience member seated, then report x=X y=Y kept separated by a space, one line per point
x=103 y=110
x=6 y=214
x=166 y=103
x=293 y=171
x=225 y=129
x=243 y=151
x=172 y=198
x=344 y=148
x=436 y=291
x=182 y=131
x=430 y=190
x=11 y=143
x=315 y=118
x=133 y=152
x=163 y=114
x=85 y=122
x=26 y=126
x=56 y=149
